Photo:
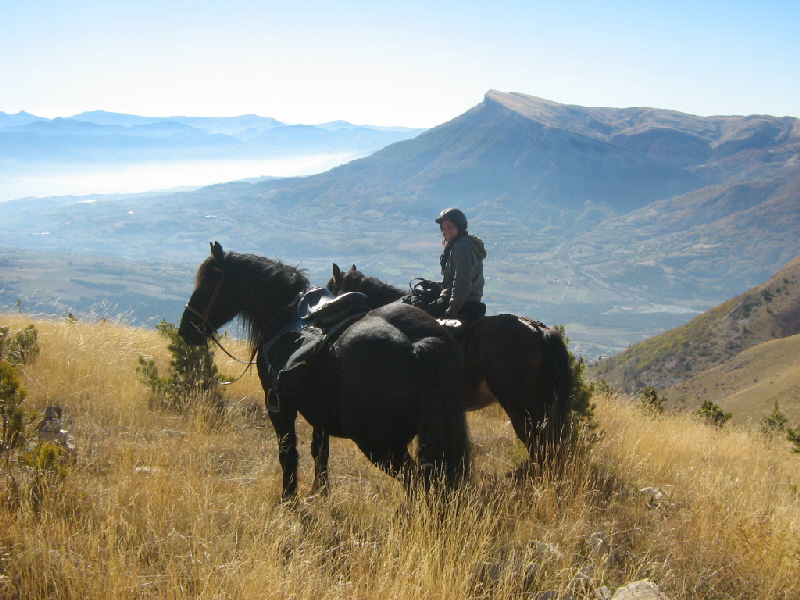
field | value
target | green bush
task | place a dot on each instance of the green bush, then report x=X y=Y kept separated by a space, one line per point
x=713 y=414
x=192 y=374
x=651 y=402
x=582 y=391
x=774 y=423
x=777 y=424
x=586 y=428
x=12 y=395
x=22 y=348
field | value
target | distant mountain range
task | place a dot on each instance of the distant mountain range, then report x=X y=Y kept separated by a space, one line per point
x=619 y=223
x=100 y=136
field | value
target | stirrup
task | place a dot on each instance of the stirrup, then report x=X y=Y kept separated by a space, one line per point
x=273 y=407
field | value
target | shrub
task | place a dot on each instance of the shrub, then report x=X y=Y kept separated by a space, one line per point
x=651 y=402
x=777 y=424
x=713 y=414
x=586 y=427
x=774 y=423
x=603 y=388
x=192 y=374
x=11 y=396
x=793 y=435
x=22 y=348
x=582 y=391
x=44 y=465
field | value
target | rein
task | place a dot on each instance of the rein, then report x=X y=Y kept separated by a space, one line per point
x=249 y=363
x=207 y=314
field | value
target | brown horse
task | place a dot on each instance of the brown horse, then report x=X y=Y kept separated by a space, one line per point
x=515 y=361
x=388 y=377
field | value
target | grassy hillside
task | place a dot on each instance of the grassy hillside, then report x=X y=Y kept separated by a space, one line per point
x=767 y=312
x=749 y=384
x=159 y=505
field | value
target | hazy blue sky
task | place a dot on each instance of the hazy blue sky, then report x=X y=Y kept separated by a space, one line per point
x=414 y=63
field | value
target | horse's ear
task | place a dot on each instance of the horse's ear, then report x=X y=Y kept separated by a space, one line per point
x=353 y=268
x=216 y=251
x=337 y=273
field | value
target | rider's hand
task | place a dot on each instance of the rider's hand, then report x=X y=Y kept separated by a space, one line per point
x=438 y=308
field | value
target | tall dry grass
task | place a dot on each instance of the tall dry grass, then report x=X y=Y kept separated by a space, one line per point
x=157 y=505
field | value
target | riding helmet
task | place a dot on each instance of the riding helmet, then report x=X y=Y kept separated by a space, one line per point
x=456 y=216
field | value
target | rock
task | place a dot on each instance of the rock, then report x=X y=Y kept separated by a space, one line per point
x=49 y=429
x=639 y=590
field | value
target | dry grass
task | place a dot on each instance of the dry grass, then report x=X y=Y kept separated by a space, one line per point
x=163 y=506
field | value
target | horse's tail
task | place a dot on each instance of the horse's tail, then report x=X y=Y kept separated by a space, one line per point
x=443 y=440
x=558 y=389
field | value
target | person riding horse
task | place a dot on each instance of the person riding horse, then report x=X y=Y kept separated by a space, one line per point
x=462 y=270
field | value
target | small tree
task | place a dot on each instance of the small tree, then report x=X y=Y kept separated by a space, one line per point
x=793 y=435
x=777 y=423
x=774 y=423
x=585 y=427
x=713 y=414
x=603 y=388
x=650 y=401
x=582 y=391
x=23 y=347
x=12 y=395
x=192 y=374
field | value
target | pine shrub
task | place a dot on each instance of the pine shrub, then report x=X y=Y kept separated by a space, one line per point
x=713 y=414
x=191 y=376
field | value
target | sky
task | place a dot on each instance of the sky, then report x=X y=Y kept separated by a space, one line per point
x=416 y=63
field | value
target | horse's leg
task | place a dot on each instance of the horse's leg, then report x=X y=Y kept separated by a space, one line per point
x=283 y=421
x=523 y=423
x=395 y=461
x=320 y=450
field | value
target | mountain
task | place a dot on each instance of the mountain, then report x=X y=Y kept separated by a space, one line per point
x=702 y=357
x=225 y=125
x=105 y=137
x=619 y=223
x=20 y=118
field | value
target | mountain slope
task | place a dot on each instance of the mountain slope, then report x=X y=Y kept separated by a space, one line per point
x=767 y=312
x=750 y=383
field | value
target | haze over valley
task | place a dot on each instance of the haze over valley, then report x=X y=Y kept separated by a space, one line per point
x=100 y=152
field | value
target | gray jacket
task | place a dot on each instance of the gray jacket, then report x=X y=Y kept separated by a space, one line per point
x=462 y=274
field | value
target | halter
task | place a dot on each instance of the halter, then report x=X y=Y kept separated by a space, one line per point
x=204 y=316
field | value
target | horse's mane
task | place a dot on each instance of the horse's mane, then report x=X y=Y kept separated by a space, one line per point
x=378 y=292
x=268 y=287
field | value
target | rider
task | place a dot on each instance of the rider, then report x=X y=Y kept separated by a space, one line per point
x=462 y=270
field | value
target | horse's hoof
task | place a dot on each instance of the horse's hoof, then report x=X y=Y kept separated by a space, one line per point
x=289 y=500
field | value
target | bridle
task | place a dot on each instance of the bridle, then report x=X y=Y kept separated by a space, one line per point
x=205 y=315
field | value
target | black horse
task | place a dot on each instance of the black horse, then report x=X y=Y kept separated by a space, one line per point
x=392 y=375
x=512 y=360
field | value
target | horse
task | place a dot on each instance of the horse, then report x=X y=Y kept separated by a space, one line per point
x=512 y=360
x=390 y=376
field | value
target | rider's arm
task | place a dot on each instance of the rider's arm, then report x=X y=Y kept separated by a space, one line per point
x=461 y=258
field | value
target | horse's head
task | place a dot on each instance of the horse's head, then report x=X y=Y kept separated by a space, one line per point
x=209 y=307
x=342 y=282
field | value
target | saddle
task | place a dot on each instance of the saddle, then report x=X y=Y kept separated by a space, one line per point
x=319 y=319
